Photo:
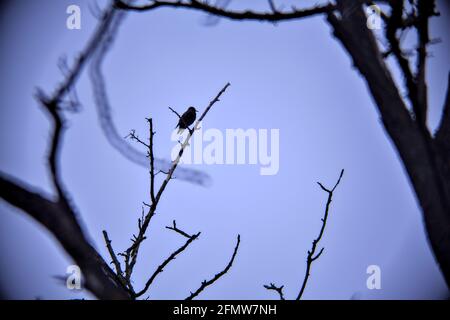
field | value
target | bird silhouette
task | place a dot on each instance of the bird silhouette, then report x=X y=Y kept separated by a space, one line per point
x=186 y=119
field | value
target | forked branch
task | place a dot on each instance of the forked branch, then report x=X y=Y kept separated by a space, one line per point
x=206 y=283
x=312 y=255
x=130 y=255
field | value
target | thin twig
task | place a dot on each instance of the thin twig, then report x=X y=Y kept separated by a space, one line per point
x=218 y=275
x=133 y=136
x=312 y=256
x=174 y=228
x=279 y=290
x=152 y=161
x=272 y=6
x=164 y=264
x=116 y=263
x=73 y=74
x=178 y=115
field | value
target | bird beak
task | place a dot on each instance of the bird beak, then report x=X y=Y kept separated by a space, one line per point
x=195 y=110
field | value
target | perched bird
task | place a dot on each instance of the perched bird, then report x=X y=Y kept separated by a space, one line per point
x=186 y=119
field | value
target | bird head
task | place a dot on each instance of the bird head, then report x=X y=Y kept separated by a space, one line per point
x=192 y=109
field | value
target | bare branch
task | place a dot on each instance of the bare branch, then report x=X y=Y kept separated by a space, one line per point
x=279 y=290
x=131 y=253
x=312 y=253
x=218 y=275
x=52 y=109
x=273 y=16
x=393 y=24
x=112 y=254
x=73 y=74
x=115 y=261
x=272 y=6
x=165 y=263
x=152 y=161
x=133 y=136
x=55 y=217
x=178 y=115
x=174 y=228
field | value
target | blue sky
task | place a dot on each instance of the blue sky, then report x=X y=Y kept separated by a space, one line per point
x=294 y=77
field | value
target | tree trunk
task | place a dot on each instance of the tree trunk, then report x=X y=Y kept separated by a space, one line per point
x=425 y=159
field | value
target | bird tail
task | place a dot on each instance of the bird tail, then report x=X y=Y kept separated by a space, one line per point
x=180 y=131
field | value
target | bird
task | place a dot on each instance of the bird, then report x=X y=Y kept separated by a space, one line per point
x=186 y=119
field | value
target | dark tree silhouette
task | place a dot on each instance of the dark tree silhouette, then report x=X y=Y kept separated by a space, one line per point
x=425 y=155
x=130 y=255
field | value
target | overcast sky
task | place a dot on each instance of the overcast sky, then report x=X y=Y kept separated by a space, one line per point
x=294 y=77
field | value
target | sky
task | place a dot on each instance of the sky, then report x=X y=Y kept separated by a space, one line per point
x=292 y=76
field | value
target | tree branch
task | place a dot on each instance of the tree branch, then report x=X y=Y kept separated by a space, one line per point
x=273 y=16
x=131 y=253
x=115 y=261
x=60 y=222
x=394 y=23
x=273 y=287
x=152 y=161
x=72 y=75
x=166 y=262
x=174 y=228
x=218 y=275
x=311 y=253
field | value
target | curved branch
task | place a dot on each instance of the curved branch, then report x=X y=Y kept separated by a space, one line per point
x=56 y=218
x=273 y=287
x=274 y=16
x=165 y=263
x=218 y=275
x=311 y=253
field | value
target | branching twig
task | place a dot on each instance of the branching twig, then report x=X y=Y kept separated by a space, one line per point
x=218 y=275
x=279 y=290
x=130 y=255
x=133 y=136
x=164 y=264
x=273 y=16
x=73 y=74
x=174 y=228
x=115 y=261
x=312 y=256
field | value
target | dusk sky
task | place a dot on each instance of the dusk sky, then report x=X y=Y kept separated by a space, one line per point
x=292 y=76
